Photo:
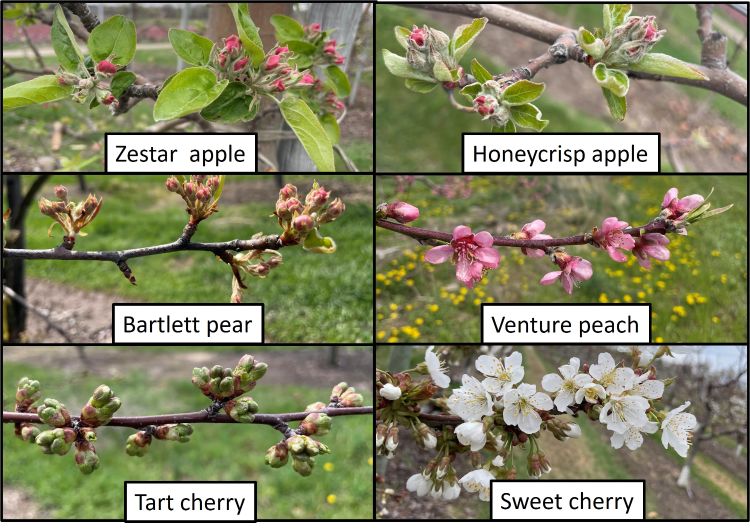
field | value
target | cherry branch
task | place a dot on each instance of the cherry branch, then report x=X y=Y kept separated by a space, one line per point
x=424 y=235
x=720 y=79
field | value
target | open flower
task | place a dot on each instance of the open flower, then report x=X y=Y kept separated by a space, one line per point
x=612 y=238
x=566 y=386
x=501 y=373
x=420 y=484
x=532 y=231
x=472 y=254
x=632 y=437
x=591 y=393
x=651 y=245
x=674 y=208
x=471 y=401
x=478 y=481
x=436 y=368
x=573 y=270
x=624 y=410
x=615 y=380
x=647 y=387
x=390 y=392
x=472 y=434
x=676 y=429
x=521 y=407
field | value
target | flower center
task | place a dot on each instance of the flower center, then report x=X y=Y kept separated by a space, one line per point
x=525 y=406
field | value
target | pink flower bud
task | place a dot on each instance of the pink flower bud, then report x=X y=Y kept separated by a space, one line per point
x=306 y=79
x=303 y=223
x=339 y=59
x=232 y=44
x=330 y=47
x=203 y=194
x=190 y=188
x=279 y=85
x=222 y=59
x=240 y=64
x=281 y=50
x=288 y=191
x=108 y=99
x=273 y=62
x=402 y=212
x=293 y=205
x=61 y=192
x=314 y=27
x=172 y=184
x=317 y=197
x=213 y=182
x=417 y=36
x=105 y=67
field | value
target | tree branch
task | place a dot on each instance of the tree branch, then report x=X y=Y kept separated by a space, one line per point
x=423 y=235
x=12 y=69
x=86 y=16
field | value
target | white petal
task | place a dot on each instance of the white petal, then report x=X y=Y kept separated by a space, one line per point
x=530 y=423
x=541 y=401
x=514 y=359
x=488 y=365
x=526 y=390
x=552 y=382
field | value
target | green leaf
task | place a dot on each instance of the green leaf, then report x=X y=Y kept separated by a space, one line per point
x=614 y=15
x=666 y=65
x=465 y=35
x=64 y=42
x=310 y=133
x=509 y=127
x=248 y=33
x=194 y=49
x=114 y=40
x=38 y=90
x=523 y=91
x=615 y=80
x=232 y=105
x=590 y=43
x=471 y=91
x=301 y=47
x=422 y=87
x=479 y=72
x=402 y=35
x=528 y=116
x=441 y=72
x=331 y=125
x=120 y=82
x=339 y=80
x=618 y=106
x=189 y=91
x=287 y=28
x=317 y=243
x=399 y=66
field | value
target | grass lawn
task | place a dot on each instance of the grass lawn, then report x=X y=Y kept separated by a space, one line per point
x=227 y=453
x=699 y=295
x=311 y=297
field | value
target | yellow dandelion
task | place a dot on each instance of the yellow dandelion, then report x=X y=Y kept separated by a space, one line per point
x=679 y=310
x=433 y=307
x=419 y=321
x=331 y=498
x=715 y=319
x=328 y=467
x=603 y=298
x=659 y=340
x=381 y=335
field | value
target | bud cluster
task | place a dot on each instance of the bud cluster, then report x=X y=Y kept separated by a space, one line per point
x=100 y=407
x=54 y=413
x=304 y=450
x=86 y=457
x=56 y=441
x=315 y=424
x=71 y=216
x=301 y=221
x=201 y=194
x=92 y=89
x=343 y=395
x=220 y=383
x=139 y=443
x=428 y=51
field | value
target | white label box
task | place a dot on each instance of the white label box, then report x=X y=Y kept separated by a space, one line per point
x=566 y=323
x=600 y=153
x=134 y=323
x=568 y=500
x=190 y=501
x=175 y=153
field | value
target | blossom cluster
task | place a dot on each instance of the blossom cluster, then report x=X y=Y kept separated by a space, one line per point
x=500 y=414
x=201 y=194
x=69 y=215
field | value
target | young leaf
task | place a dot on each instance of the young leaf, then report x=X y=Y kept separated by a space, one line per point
x=422 y=87
x=64 y=42
x=301 y=47
x=666 y=65
x=591 y=44
x=114 y=40
x=287 y=28
x=528 y=116
x=618 y=106
x=189 y=91
x=465 y=35
x=402 y=35
x=248 y=33
x=331 y=125
x=523 y=91
x=310 y=133
x=509 y=127
x=232 y=105
x=120 y=82
x=38 y=90
x=191 y=47
x=479 y=72
x=441 y=72
x=615 y=80
x=317 y=243
x=615 y=14
x=399 y=66
x=471 y=91
x=339 y=81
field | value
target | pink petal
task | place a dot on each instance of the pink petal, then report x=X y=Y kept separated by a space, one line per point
x=615 y=254
x=668 y=197
x=534 y=228
x=550 y=278
x=477 y=271
x=656 y=239
x=567 y=283
x=438 y=254
x=626 y=242
x=489 y=257
x=531 y=252
x=463 y=272
x=688 y=203
x=657 y=252
x=581 y=269
x=462 y=231
x=484 y=239
x=643 y=261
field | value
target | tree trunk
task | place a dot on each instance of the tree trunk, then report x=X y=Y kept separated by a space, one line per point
x=13 y=269
x=344 y=17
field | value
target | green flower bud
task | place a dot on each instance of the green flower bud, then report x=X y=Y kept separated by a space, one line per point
x=339 y=389
x=101 y=396
x=226 y=387
x=28 y=432
x=179 y=432
x=88 y=434
x=314 y=447
x=278 y=455
x=352 y=399
x=242 y=409
x=27 y=393
x=138 y=443
x=297 y=444
x=54 y=413
x=316 y=423
x=314 y=407
x=217 y=372
x=200 y=377
x=86 y=458
x=303 y=465
x=100 y=407
x=258 y=371
x=56 y=441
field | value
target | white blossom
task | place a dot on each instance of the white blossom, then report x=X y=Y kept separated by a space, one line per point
x=436 y=368
x=472 y=434
x=471 y=401
x=498 y=461
x=521 y=407
x=478 y=481
x=419 y=484
x=646 y=387
x=446 y=492
x=591 y=393
x=615 y=380
x=632 y=437
x=566 y=386
x=676 y=429
x=390 y=392
x=501 y=373
x=573 y=431
x=624 y=410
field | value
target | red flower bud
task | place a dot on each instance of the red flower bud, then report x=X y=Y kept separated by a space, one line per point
x=108 y=99
x=172 y=184
x=240 y=64
x=281 y=50
x=314 y=27
x=303 y=223
x=402 y=212
x=203 y=194
x=232 y=44
x=288 y=191
x=105 y=67
x=279 y=85
x=273 y=62
x=339 y=59
x=307 y=79
x=330 y=47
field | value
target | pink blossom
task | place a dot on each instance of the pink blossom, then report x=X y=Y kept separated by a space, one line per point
x=675 y=209
x=402 y=212
x=279 y=85
x=485 y=105
x=222 y=58
x=330 y=47
x=651 y=245
x=314 y=27
x=573 y=270
x=417 y=36
x=232 y=44
x=306 y=79
x=281 y=50
x=105 y=67
x=472 y=254
x=108 y=99
x=532 y=231
x=339 y=59
x=272 y=62
x=611 y=237
x=240 y=64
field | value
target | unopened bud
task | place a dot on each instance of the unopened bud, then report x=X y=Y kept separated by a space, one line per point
x=86 y=458
x=352 y=400
x=54 y=413
x=61 y=192
x=288 y=191
x=339 y=389
x=316 y=423
x=27 y=393
x=172 y=184
x=179 y=432
x=105 y=67
x=138 y=444
x=314 y=407
x=303 y=465
x=242 y=410
x=402 y=212
x=278 y=455
x=303 y=223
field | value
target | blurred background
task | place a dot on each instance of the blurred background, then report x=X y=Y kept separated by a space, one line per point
x=310 y=298
x=69 y=136
x=701 y=131
x=712 y=378
x=157 y=380
x=699 y=295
